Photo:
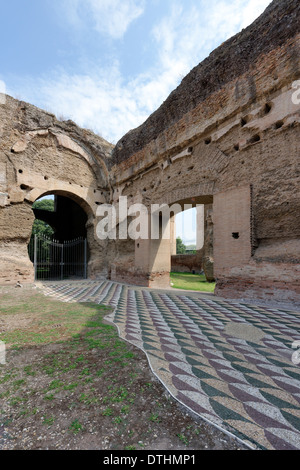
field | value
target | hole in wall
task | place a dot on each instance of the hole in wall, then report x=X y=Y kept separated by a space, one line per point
x=236 y=235
x=208 y=141
x=190 y=149
x=20 y=171
x=254 y=139
x=237 y=147
x=244 y=121
x=267 y=108
x=279 y=124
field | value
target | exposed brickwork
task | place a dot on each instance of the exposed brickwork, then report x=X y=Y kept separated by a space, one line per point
x=187 y=263
x=228 y=136
x=232 y=229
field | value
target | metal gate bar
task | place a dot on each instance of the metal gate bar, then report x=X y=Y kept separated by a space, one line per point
x=53 y=260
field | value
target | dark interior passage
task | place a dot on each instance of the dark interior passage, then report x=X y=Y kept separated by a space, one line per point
x=68 y=219
x=64 y=253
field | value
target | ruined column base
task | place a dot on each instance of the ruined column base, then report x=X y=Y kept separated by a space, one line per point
x=157 y=280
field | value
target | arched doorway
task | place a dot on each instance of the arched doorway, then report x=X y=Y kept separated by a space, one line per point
x=58 y=246
x=192 y=258
x=153 y=254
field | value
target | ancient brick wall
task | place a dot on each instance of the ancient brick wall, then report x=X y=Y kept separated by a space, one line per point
x=187 y=263
x=40 y=155
x=228 y=137
x=232 y=125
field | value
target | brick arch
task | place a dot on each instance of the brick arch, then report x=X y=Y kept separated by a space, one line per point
x=43 y=156
x=65 y=142
x=59 y=190
x=201 y=193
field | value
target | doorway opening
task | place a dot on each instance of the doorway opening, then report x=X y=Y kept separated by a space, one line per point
x=192 y=247
x=58 y=246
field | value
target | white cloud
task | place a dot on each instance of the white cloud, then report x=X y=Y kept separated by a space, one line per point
x=110 y=17
x=251 y=10
x=98 y=101
x=104 y=101
x=187 y=36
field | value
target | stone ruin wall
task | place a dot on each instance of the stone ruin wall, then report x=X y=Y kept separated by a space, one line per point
x=228 y=136
x=40 y=155
x=230 y=125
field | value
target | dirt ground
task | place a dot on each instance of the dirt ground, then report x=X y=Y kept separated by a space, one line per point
x=70 y=383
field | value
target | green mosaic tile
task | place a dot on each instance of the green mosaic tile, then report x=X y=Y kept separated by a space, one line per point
x=195 y=327
x=281 y=363
x=224 y=412
x=199 y=372
x=244 y=368
x=149 y=339
x=231 y=357
x=276 y=401
x=194 y=361
x=295 y=374
x=212 y=391
x=150 y=347
x=292 y=419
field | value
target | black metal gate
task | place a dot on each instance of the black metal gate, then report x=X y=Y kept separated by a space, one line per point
x=57 y=261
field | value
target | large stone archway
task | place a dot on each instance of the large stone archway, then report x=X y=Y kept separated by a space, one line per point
x=51 y=158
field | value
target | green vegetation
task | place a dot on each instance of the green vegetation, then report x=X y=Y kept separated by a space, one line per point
x=39 y=226
x=76 y=375
x=191 y=249
x=180 y=246
x=75 y=427
x=183 y=439
x=188 y=281
x=182 y=249
x=71 y=381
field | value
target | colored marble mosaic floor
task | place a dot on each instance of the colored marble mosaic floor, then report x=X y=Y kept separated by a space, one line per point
x=229 y=362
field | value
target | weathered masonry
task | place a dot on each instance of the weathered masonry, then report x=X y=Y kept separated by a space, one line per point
x=227 y=138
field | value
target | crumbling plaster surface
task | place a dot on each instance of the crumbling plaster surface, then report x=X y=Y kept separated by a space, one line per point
x=40 y=155
x=232 y=123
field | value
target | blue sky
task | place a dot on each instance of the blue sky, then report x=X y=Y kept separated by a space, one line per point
x=108 y=64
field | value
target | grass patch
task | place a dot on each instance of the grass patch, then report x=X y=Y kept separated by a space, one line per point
x=188 y=281
x=70 y=382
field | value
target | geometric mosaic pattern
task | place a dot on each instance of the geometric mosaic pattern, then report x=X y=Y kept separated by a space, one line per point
x=227 y=361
